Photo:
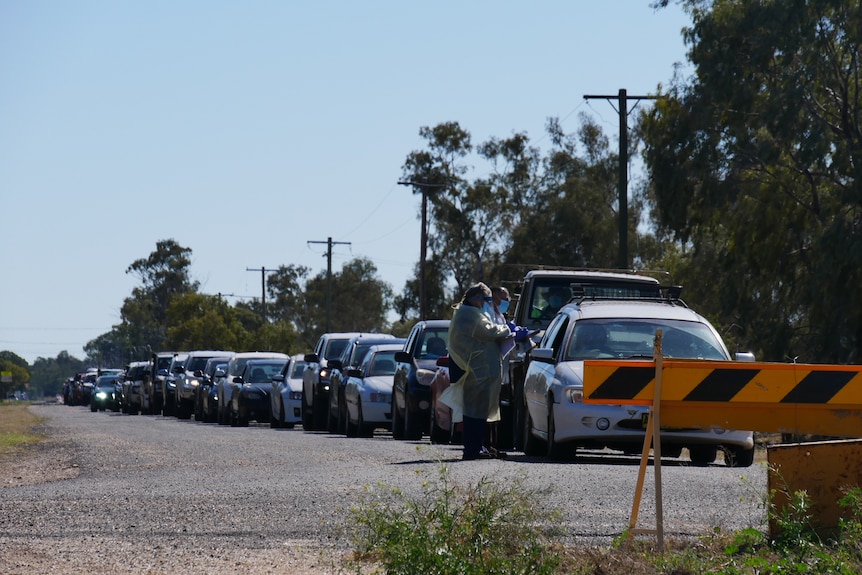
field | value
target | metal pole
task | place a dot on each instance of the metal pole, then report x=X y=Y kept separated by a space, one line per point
x=623 y=184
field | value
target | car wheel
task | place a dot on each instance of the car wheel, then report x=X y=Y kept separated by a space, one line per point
x=343 y=416
x=437 y=434
x=397 y=423
x=320 y=413
x=532 y=444
x=736 y=456
x=93 y=407
x=354 y=429
x=556 y=451
x=702 y=455
x=276 y=420
x=307 y=422
x=412 y=425
x=364 y=429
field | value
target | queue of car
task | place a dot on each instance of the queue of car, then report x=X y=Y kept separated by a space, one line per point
x=355 y=383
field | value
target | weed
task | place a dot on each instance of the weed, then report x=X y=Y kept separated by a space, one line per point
x=454 y=529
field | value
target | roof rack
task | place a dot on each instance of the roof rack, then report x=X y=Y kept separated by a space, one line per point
x=665 y=293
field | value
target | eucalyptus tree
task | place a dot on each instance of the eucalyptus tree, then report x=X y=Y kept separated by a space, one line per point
x=755 y=164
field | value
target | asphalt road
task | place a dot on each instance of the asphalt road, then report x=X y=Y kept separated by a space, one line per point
x=156 y=495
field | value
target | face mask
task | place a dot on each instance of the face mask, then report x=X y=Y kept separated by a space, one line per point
x=488 y=308
x=504 y=306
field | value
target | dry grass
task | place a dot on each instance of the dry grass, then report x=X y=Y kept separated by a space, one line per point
x=16 y=426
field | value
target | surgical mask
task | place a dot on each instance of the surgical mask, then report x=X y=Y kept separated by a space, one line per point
x=488 y=308
x=503 y=306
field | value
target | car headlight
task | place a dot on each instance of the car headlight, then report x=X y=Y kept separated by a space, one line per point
x=102 y=395
x=574 y=394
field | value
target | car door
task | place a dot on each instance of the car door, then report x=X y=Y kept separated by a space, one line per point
x=542 y=371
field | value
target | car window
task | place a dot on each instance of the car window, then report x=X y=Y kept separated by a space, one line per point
x=435 y=344
x=383 y=363
x=626 y=338
x=335 y=348
x=298 y=368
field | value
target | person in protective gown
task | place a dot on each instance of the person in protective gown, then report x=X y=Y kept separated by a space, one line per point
x=474 y=344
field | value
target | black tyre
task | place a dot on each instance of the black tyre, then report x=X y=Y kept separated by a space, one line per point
x=307 y=421
x=437 y=434
x=532 y=444
x=413 y=425
x=556 y=451
x=702 y=455
x=397 y=421
x=736 y=456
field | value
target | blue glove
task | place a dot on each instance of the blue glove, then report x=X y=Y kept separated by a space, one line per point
x=521 y=333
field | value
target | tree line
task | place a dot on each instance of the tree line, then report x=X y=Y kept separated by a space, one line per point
x=749 y=198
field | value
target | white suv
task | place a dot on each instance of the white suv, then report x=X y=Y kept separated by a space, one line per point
x=558 y=422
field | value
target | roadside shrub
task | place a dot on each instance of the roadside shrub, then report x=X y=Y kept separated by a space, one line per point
x=490 y=527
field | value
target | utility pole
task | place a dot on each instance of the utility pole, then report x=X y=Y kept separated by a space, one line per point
x=329 y=243
x=622 y=99
x=262 y=271
x=423 y=247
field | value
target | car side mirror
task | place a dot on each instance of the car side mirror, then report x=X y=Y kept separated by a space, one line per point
x=237 y=379
x=219 y=373
x=334 y=364
x=543 y=354
x=745 y=356
x=311 y=358
x=198 y=373
x=403 y=357
x=278 y=378
x=354 y=372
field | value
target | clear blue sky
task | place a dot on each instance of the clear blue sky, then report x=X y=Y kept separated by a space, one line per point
x=244 y=130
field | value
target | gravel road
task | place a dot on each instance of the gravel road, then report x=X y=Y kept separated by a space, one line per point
x=119 y=494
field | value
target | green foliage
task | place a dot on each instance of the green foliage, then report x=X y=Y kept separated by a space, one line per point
x=48 y=374
x=752 y=163
x=490 y=527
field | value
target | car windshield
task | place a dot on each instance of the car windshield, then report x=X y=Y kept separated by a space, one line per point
x=298 y=368
x=383 y=363
x=626 y=338
x=334 y=348
x=259 y=372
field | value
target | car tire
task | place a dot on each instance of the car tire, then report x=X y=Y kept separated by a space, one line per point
x=93 y=407
x=397 y=422
x=702 y=455
x=306 y=414
x=320 y=410
x=736 y=456
x=554 y=450
x=438 y=435
x=343 y=417
x=533 y=446
x=412 y=425
x=276 y=420
x=354 y=429
x=331 y=420
x=364 y=429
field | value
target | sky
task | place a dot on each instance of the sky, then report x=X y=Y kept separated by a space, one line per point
x=252 y=132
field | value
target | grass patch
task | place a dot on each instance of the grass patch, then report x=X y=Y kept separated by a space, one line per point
x=493 y=527
x=16 y=426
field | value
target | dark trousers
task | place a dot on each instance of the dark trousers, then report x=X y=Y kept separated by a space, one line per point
x=473 y=436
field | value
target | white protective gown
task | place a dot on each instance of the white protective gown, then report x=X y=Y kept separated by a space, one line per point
x=474 y=344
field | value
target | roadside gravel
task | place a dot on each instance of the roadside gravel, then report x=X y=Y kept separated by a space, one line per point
x=112 y=493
